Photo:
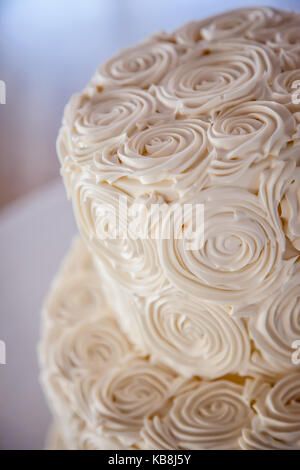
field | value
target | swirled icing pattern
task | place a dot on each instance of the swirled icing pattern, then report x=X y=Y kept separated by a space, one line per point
x=196 y=337
x=111 y=391
x=210 y=415
x=148 y=344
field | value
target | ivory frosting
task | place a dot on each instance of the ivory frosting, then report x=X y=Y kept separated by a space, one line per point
x=110 y=390
x=148 y=344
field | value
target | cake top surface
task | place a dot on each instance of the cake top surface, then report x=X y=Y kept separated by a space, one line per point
x=203 y=106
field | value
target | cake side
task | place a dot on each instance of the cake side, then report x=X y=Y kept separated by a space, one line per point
x=106 y=394
x=204 y=116
x=179 y=333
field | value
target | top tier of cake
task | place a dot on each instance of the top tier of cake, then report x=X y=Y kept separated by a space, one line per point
x=203 y=107
x=206 y=116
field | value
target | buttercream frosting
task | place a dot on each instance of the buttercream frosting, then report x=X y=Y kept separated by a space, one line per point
x=150 y=342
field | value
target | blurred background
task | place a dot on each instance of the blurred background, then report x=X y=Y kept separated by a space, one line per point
x=48 y=50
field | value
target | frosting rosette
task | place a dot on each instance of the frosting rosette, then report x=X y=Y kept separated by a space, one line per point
x=244 y=22
x=284 y=41
x=164 y=154
x=95 y=345
x=157 y=436
x=289 y=37
x=286 y=88
x=79 y=294
x=193 y=337
x=275 y=182
x=95 y=117
x=240 y=258
x=107 y=223
x=175 y=324
x=110 y=396
x=246 y=134
x=252 y=440
x=141 y=65
x=277 y=324
x=169 y=153
x=217 y=75
x=276 y=425
x=211 y=415
x=125 y=397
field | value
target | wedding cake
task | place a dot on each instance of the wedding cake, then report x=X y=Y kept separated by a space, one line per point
x=174 y=322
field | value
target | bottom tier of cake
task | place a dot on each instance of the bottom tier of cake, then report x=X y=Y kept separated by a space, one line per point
x=106 y=394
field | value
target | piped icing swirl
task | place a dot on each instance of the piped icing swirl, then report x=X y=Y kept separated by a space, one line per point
x=149 y=340
x=241 y=254
x=123 y=398
x=95 y=344
x=277 y=325
x=217 y=75
x=141 y=65
x=168 y=153
x=95 y=118
x=208 y=416
x=108 y=393
x=245 y=22
x=276 y=425
x=105 y=227
x=194 y=337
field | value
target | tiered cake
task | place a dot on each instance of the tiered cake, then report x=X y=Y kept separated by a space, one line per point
x=151 y=341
